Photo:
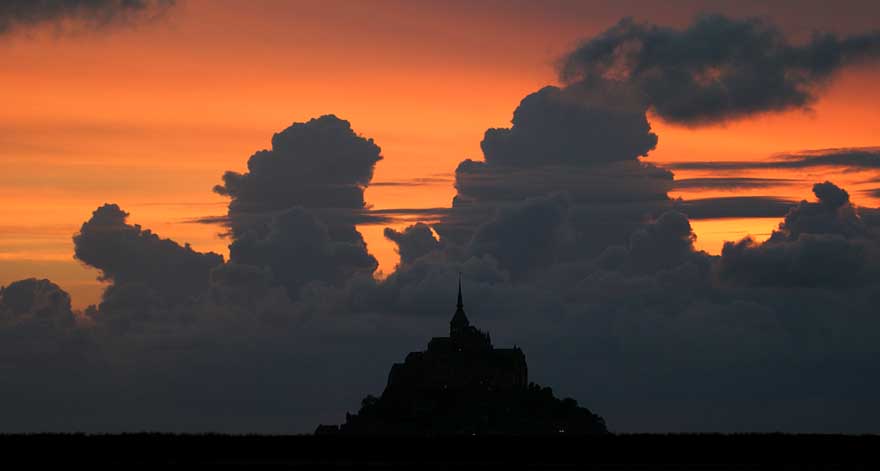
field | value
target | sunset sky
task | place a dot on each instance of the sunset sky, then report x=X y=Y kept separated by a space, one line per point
x=150 y=116
x=234 y=216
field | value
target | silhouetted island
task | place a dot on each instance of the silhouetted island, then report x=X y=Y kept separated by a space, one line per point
x=463 y=385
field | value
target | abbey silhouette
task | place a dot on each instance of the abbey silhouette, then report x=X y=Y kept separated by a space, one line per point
x=463 y=385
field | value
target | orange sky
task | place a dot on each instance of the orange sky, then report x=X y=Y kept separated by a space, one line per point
x=150 y=117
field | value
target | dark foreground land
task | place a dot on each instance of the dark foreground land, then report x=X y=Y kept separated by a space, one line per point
x=556 y=452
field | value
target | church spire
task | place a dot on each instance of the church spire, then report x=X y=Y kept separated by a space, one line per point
x=460 y=304
x=459 y=322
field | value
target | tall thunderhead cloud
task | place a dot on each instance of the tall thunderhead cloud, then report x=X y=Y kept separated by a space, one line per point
x=299 y=248
x=321 y=164
x=583 y=141
x=96 y=13
x=129 y=255
x=821 y=243
x=556 y=126
x=293 y=211
x=718 y=68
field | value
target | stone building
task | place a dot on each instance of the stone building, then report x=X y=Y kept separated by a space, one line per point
x=465 y=360
x=461 y=384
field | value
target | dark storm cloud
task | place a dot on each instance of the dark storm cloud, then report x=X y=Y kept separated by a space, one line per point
x=832 y=214
x=413 y=242
x=557 y=126
x=625 y=333
x=732 y=183
x=578 y=260
x=822 y=243
x=567 y=245
x=583 y=141
x=662 y=244
x=318 y=164
x=735 y=207
x=812 y=261
x=126 y=254
x=25 y=13
x=39 y=299
x=298 y=248
x=294 y=210
x=608 y=182
x=864 y=158
x=38 y=334
x=718 y=68
x=511 y=238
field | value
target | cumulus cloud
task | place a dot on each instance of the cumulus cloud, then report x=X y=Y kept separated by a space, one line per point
x=126 y=254
x=38 y=299
x=558 y=126
x=413 y=242
x=832 y=214
x=717 y=68
x=293 y=212
x=298 y=248
x=318 y=164
x=613 y=182
x=94 y=13
x=662 y=243
x=567 y=244
x=643 y=333
x=810 y=261
x=582 y=141
x=818 y=244
x=590 y=267
x=528 y=236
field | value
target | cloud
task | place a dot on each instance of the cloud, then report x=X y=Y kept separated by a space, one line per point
x=810 y=261
x=818 y=244
x=731 y=183
x=717 y=68
x=318 y=164
x=734 y=207
x=662 y=243
x=126 y=254
x=298 y=248
x=584 y=142
x=832 y=214
x=627 y=181
x=39 y=299
x=643 y=333
x=568 y=246
x=293 y=212
x=856 y=158
x=413 y=182
x=528 y=236
x=413 y=242
x=16 y=14
x=557 y=126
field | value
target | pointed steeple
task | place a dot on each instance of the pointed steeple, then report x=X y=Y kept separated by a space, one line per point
x=460 y=304
x=459 y=320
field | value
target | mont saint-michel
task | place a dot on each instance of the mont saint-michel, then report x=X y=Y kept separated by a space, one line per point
x=461 y=384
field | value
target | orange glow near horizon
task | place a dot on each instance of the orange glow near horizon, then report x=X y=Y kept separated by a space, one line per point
x=150 y=118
